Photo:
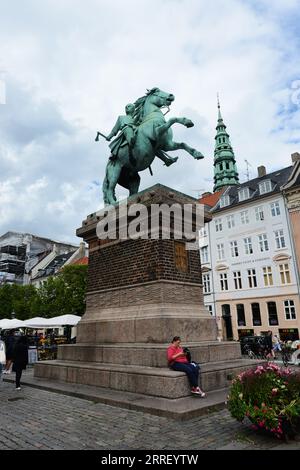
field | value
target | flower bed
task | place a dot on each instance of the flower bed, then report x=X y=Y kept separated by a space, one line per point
x=269 y=396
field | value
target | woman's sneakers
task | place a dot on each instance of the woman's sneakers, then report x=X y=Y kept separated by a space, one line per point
x=18 y=388
x=197 y=391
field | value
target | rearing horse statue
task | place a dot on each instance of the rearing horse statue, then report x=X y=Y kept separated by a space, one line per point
x=153 y=137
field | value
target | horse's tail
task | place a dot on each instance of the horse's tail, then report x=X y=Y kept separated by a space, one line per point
x=105 y=185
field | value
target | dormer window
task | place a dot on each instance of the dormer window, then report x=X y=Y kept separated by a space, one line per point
x=224 y=201
x=244 y=194
x=265 y=187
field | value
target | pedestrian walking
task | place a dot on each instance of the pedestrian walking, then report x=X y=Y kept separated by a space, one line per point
x=20 y=359
x=2 y=356
x=9 y=347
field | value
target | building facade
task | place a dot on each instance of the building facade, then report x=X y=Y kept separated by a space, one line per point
x=20 y=252
x=250 y=273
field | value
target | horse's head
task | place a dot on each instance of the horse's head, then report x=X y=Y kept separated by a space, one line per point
x=154 y=97
x=160 y=98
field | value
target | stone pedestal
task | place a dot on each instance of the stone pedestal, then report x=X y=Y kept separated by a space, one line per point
x=141 y=293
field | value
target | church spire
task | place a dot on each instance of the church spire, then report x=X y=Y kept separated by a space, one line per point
x=225 y=170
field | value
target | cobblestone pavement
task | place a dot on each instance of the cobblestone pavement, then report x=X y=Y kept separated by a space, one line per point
x=38 y=419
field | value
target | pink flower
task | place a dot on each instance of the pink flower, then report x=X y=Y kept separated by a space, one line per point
x=274 y=391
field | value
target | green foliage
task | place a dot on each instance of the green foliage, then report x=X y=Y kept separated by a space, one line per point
x=6 y=307
x=58 y=295
x=268 y=395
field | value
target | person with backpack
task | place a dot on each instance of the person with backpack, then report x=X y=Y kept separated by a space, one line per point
x=178 y=360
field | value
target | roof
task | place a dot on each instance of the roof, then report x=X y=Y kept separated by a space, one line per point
x=211 y=199
x=81 y=261
x=56 y=264
x=278 y=178
x=294 y=179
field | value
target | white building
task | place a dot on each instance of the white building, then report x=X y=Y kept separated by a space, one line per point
x=250 y=275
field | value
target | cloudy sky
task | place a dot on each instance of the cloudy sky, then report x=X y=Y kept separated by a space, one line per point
x=68 y=68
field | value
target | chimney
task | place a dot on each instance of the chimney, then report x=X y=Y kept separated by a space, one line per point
x=82 y=249
x=207 y=193
x=295 y=157
x=261 y=171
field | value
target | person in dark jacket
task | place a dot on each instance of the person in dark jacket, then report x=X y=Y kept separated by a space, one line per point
x=269 y=344
x=20 y=359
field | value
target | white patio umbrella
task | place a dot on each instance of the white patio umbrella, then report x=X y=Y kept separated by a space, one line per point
x=53 y=322
x=36 y=322
x=11 y=324
x=61 y=320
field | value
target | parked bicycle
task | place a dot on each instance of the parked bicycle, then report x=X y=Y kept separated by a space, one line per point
x=248 y=351
x=286 y=354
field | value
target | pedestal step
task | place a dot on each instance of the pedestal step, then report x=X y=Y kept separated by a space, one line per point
x=160 y=382
x=146 y=354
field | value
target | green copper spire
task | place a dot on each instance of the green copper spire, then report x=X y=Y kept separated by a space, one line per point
x=226 y=173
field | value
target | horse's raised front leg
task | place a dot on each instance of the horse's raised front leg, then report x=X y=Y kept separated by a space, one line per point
x=170 y=145
x=161 y=130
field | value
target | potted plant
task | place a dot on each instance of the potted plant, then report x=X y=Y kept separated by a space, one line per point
x=269 y=396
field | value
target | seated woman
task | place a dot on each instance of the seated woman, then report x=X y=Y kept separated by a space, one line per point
x=178 y=361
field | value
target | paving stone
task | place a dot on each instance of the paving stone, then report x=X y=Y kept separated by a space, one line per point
x=48 y=420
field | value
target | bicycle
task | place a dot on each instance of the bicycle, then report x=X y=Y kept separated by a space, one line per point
x=249 y=352
x=285 y=355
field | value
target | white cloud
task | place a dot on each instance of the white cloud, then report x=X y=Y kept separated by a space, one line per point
x=72 y=67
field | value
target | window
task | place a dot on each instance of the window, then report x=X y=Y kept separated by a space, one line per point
x=252 y=278
x=244 y=194
x=268 y=276
x=210 y=309
x=230 y=221
x=219 y=226
x=245 y=217
x=259 y=213
x=234 y=249
x=256 y=317
x=237 y=277
x=289 y=308
x=285 y=274
x=224 y=281
x=263 y=242
x=221 y=251
x=248 y=246
x=275 y=209
x=265 y=187
x=224 y=201
x=204 y=254
x=181 y=257
x=240 y=310
x=203 y=232
x=272 y=311
x=279 y=239
x=206 y=283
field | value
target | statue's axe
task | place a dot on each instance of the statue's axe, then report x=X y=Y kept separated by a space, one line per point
x=98 y=135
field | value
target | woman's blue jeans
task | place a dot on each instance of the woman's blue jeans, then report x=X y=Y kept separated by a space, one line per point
x=191 y=371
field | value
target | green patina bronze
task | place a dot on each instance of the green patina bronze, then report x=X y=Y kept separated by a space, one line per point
x=226 y=173
x=142 y=134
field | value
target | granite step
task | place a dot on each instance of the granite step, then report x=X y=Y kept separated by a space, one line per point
x=152 y=381
x=146 y=354
x=180 y=409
